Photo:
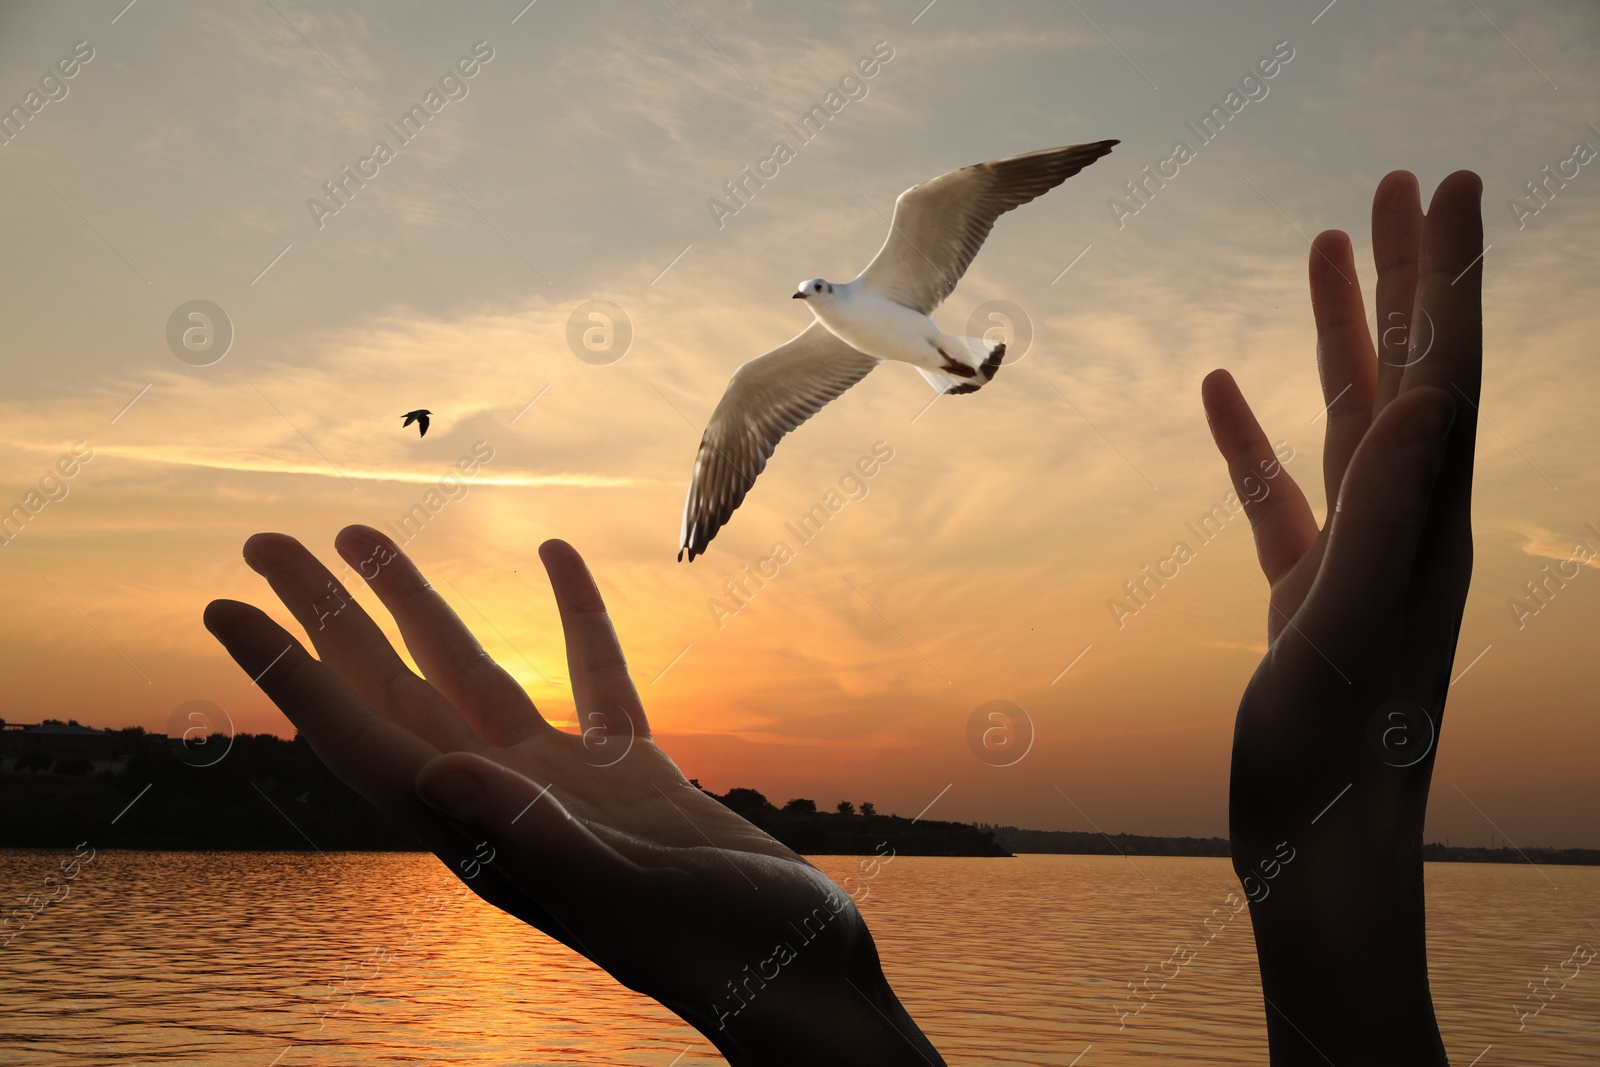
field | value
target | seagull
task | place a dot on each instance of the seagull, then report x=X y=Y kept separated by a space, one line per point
x=420 y=417
x=881 y=314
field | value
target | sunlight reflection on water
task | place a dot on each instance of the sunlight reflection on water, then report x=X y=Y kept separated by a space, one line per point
x=288 y=959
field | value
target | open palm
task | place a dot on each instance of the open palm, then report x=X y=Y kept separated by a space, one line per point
x=596 y=838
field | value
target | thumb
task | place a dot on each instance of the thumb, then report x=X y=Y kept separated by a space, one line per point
x=1376 y=531
x=523 y=831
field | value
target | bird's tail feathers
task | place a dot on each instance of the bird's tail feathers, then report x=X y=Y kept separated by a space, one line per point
x=988 y=355
x=983 y=355
x=949 y=383
x=981 y=348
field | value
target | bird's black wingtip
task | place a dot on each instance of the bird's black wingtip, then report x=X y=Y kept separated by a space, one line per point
x=680 y=556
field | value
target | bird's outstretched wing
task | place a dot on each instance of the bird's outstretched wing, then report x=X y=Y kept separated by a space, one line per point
x=940 y=225
x=768 y=397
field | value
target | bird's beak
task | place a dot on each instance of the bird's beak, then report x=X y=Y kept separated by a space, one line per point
x=798 y=296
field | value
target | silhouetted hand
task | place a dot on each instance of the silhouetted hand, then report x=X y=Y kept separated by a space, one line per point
x=1334 y=744
x=595 y=838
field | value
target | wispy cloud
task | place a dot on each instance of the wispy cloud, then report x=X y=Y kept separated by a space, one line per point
x=416 y=477
x=1549 y=544
x=591 y=144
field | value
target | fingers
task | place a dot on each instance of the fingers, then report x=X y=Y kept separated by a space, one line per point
x=1447 y=339
x=1396 y=246
x=350 y=642
x=1367 y=572
x=378 y=758
x=551 y=856
x=487 y=697
x=602 y=691
x=1280 y=518
x=1346 y=361
x=1449 y=302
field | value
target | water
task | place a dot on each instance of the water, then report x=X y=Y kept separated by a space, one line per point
x=290 y=959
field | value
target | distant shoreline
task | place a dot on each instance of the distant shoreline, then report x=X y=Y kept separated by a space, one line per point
x=260 y=793
x=189 y=811
x=1079 y=843
x=1431 y=853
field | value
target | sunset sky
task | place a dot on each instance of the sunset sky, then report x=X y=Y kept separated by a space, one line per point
x=576 y=163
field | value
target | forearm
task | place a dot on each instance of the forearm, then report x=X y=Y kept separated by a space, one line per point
x=1344 y=970
x=858 y=1021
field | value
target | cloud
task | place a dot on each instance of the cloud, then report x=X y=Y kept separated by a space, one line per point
x=418 y=477
x=1548 y=544
x=590 y=145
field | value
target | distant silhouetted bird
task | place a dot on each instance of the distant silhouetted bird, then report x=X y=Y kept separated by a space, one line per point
x=420 y=417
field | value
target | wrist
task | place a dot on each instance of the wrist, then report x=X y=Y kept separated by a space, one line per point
x=1344 y=970
x=856 y=1019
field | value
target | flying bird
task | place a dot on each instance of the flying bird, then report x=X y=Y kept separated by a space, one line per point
x=420 y=417
x=881 y=314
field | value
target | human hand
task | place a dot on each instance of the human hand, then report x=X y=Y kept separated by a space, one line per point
x=595 y=838
x=1334 y=743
